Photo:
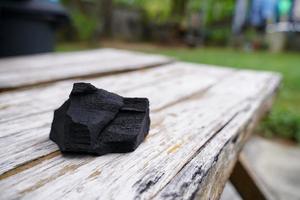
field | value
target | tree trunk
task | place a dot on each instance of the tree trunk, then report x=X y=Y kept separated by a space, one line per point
x=107 y=14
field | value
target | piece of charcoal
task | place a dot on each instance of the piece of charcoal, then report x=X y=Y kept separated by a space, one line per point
x=99 y=122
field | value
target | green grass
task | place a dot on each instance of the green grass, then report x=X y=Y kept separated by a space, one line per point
x=284 y=119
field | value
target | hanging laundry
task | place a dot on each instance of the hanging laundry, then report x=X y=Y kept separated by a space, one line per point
x=240 y=15
x=296 y=11
x=269 y=10
x=255 y=13
x=262 y=12
x=284 y=9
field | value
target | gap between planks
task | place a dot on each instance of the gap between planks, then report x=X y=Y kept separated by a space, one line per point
x=49 y=68
x=94 y=75
x=11 y=101
x=29 y=164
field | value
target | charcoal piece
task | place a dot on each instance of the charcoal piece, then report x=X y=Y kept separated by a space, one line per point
x=128 y=129
x=99 y=122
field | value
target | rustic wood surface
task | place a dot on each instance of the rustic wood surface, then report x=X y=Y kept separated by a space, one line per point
x=201 y=116
x=31 y=70
x=30 y=140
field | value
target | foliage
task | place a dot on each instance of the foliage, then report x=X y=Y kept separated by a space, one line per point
x=157 y=13
x=279 y=122
x=83 y=21
x=157 y=10
x=215 y=10
x=85 y=25
x=219 y=36
x=215 y=15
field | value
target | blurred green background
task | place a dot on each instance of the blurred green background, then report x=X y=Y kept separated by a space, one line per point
x=197 y=31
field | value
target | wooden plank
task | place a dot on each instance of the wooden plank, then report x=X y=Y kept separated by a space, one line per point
x=32 y=101
x=23 y=141
x=42 y=60
x=178 y=133
x=52 y=67
x=205 y=176
x=246 y=182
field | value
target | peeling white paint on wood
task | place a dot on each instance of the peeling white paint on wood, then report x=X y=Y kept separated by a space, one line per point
x=190 y=132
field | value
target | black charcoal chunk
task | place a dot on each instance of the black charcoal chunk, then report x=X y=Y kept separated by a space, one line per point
x=96 y=121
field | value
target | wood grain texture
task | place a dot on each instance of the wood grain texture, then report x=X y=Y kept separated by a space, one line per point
x=32 y=101
x=193 y=122
x=205 y=176
x=31 y=70
x=23 y=141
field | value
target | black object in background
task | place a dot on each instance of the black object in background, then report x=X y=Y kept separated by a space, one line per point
x=28 y=26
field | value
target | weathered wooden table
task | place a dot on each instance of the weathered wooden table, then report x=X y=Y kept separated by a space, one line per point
x=201 y=117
